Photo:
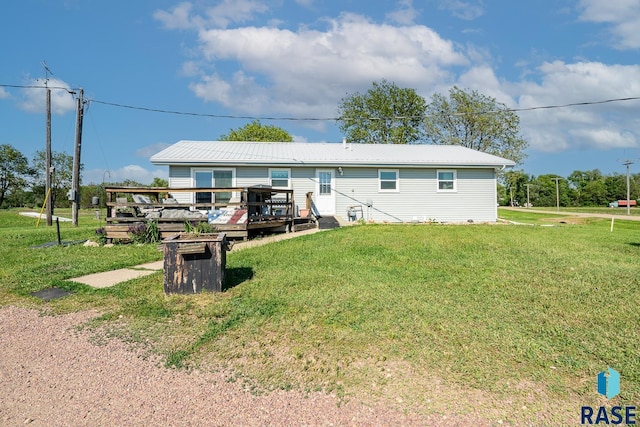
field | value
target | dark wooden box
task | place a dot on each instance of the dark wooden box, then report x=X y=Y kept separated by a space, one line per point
x=194 y=263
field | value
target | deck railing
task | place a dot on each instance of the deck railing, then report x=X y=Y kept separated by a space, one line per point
x=263 y=207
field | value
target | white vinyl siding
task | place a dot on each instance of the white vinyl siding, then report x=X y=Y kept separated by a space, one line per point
x=418 y=198
x=180 y=177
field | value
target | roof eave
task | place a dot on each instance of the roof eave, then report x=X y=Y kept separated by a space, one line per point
x=164 y=162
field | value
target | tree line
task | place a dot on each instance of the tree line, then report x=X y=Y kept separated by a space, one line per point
x=580 y=188
x=23 y=182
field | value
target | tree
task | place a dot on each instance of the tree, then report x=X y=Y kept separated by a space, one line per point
x=60 y=179
x=475 y=121
x=385 y=114
x=516 y=188
x=546 y=191
x=590 y=188
x=256 y=131
x=14 y=169
x=159 y=182
x=616 y=185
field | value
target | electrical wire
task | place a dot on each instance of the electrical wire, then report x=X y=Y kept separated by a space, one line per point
x=229 y=116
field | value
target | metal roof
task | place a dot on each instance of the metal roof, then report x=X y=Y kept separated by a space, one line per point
x=235 y=153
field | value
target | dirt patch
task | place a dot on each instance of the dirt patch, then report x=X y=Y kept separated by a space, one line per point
x=54 y=373
x=571 y=220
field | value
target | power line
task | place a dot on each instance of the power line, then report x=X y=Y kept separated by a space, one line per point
x=577 y=104
x=269 y=118
x=218 y=116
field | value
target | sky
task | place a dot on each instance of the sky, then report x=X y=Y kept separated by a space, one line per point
x=223 y=63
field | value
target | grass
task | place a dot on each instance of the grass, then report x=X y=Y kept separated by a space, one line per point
x=413 y=313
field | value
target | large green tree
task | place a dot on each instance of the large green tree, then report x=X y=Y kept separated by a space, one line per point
x=476 y=121
x=546 y=195
x=256 y=131
x=385 y=114
x=590 y=188
x=14 y=171
x=616 y=185
x=516 y=183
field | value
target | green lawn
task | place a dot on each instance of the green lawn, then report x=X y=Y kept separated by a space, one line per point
x=419 y=315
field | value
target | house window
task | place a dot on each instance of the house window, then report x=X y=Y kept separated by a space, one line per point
x=213 y=178
x=388 y=179
x=447 y=180
x=203 y=179
x=324 y=183
x=280 y=178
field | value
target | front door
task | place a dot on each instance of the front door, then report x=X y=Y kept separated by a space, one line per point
x=325 y=199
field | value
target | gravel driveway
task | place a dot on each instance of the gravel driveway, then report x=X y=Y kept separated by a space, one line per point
x=53 y=375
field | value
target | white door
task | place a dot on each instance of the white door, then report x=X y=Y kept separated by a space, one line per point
x=325 y=196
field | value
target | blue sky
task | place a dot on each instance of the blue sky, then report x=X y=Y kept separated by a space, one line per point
x=299 y=58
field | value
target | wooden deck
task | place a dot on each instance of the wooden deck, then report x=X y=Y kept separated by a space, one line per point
x=252 y=211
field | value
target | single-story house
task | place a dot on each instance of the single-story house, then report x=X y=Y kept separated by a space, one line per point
x=378 y=182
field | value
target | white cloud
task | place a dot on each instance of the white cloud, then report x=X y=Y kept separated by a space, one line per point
x=406 y=14
x=307 y=72
x=3 y=93
x=483 y=79
x=467 y=10
x=622 y=15
x=598 y=126
x=179 y=18
x=221 y=15
x=34 y=99
x=235 y=11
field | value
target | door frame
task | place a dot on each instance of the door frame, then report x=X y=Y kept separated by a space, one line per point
x=327 y=205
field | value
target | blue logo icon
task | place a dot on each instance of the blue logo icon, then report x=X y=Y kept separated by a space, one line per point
x=609 y=383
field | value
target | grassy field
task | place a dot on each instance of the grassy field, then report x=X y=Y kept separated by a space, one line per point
x=513 y=322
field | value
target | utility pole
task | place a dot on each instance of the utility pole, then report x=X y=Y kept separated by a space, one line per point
x=47 y=161
x=75 y=184
x=48 y=199
x=627 y=163
x=528 y=204
x=557 y=193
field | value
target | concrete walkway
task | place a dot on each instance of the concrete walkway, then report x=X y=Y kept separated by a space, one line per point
x=110 y=278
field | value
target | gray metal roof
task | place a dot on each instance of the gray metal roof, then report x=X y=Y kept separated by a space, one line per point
x=233 y=153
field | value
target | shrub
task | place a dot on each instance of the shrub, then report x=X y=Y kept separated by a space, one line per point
x=144 y=233
x=101 y=235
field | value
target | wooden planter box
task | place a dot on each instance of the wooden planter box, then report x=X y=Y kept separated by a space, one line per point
x=194 y=263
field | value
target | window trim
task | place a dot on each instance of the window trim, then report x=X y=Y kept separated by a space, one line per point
x=454 y=181
x=288 y=170
x=397 y=181
x=211 y=170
